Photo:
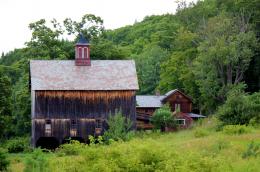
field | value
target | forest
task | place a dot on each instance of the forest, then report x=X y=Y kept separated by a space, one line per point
x=209 y=50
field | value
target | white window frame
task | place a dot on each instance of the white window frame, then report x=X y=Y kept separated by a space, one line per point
x=184 y=121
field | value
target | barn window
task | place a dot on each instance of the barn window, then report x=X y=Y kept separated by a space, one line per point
x=181 y=121
x=48 y=127
x=98 y=123
x=73 y=128
x=98 y=128
x=177 y=106
x=82 y=54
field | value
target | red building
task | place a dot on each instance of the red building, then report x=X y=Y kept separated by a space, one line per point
x=147 y=104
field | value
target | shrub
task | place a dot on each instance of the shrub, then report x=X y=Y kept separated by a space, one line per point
x=74 y=147
x=199 y=132
x=163 y=117
x=18 y=144
x=4 y=162
x=240 y=108
x=36 y=161
x=236 y=129
x=119 y=128
x=253 y=149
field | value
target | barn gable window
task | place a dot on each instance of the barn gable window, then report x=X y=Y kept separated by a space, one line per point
x=48 y=127
x=73 y=128
x=177 y=106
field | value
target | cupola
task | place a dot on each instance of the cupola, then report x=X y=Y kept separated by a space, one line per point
x=82 y=52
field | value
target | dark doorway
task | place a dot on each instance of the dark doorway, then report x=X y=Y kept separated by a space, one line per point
x=47 y=142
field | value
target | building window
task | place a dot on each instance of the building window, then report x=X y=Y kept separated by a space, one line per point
x=73 y=128
x=98 y=123
x=48 y=127
x=98 y=128
x=82 y=54
x=181 y=121
x=177 y=106
x=79 y=52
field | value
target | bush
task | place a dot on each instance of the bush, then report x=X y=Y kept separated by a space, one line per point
x=240 y=108
x=236 y=129
x=4 y=162
x=253 y=149
x=37 y=161
x=163 y=117
x=72 y=148
x=200 y=132
x=119 y=128
x=18 y=144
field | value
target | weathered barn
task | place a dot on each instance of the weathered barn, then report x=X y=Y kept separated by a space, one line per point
x=147 y=104
x=73 y=98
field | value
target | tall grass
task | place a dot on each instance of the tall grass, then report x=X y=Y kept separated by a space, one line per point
x=181 y=151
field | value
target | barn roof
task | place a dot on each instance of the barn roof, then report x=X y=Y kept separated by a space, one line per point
x=101 y=75
x=149 y=101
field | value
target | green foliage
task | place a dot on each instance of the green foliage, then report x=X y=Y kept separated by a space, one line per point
x=36 y=162
x=200 y=132
x=90 y=26
x=240 y=108
x=18 y=144
x=5 y=105
x=72 y=148
x=4 y=162
x=148 y=68
x=176 y=71
x=253 y=150
x=220 y=145
x=224 y=56
x=163 y=117
x=119 y=127
x=236 y=129
x=154 y=151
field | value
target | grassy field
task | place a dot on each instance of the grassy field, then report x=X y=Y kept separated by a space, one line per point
x=198 y=149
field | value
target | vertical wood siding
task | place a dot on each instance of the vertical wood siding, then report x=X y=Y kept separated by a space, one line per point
x=82 y=106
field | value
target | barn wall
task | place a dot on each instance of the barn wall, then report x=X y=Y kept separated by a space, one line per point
x=60 y=107
x=143 y=116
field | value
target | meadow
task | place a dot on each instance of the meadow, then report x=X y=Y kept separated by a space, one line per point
x=202 y=148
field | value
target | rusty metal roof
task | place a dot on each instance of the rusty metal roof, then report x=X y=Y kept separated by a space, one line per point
x=101 y=75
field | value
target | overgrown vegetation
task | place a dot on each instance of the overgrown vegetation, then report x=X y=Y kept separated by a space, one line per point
x=163 y=117
x=119 y=128
x=4 y=162
x=179 y=151
x=207 y=50
x=240 y=108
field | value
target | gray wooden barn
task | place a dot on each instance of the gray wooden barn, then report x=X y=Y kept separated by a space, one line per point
x=73 y=98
